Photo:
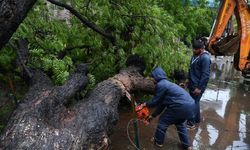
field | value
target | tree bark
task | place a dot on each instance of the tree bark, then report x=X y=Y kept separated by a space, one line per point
x=12 y=13
x=43 y=121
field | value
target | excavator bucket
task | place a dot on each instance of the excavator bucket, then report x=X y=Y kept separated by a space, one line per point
x=227 y=46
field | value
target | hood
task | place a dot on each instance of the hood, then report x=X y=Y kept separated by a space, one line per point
x=158 y=74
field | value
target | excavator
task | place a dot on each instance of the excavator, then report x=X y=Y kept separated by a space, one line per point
x=221 y=42
x=224 y=42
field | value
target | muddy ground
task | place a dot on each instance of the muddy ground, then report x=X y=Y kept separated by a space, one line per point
x=225 y=108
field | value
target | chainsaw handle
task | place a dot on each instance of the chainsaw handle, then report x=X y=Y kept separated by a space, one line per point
x=140 y=107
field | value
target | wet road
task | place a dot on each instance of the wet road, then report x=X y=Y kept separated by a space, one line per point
x=225 y=109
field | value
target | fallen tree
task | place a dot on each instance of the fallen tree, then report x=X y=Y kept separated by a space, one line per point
x=44 y=121
x=12 y=13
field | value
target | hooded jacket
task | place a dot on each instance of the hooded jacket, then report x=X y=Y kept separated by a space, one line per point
x=168 y=94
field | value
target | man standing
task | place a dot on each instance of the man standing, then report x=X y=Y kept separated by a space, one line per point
x=198 y=76
x=175 y=105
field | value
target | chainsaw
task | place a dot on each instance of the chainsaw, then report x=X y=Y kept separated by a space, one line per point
x=142 y=113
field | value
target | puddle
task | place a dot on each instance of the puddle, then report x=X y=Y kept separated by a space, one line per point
x=225 y=109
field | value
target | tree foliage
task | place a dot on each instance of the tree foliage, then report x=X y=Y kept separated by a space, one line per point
x=156 y=30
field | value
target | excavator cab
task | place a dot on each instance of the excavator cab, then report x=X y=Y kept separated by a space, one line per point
x=233 y=43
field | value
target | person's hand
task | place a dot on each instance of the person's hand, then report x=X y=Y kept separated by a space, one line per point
x=150 y=118
x=140 y=106
x=197 y=91
x=143 y=105
x=182 y=85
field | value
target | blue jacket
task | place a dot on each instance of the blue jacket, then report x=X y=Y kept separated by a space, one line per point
x=199 y=72
x=168 y=94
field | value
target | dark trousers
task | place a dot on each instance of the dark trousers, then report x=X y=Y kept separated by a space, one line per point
x=168 y=118
x=197 y=113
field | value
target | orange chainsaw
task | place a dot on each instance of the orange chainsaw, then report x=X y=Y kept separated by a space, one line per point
x=142 y=113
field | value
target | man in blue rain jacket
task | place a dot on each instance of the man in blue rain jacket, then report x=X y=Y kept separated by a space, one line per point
x=199 y=71
x=177 y=104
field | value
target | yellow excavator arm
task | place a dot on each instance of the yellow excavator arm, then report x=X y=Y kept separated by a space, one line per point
x=238 y=43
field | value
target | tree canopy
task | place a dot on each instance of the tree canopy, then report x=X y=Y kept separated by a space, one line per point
x=103 y=33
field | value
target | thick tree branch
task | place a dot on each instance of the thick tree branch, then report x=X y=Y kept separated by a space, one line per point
x=22 y=52
x=21 y=48
x=12 y=13
x=76 y=82
x=44 y=123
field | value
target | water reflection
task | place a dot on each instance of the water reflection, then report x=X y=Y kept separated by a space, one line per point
x=225 y=108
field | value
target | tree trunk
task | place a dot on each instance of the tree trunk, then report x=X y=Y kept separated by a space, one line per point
x=12 y=13
x=43 y=121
